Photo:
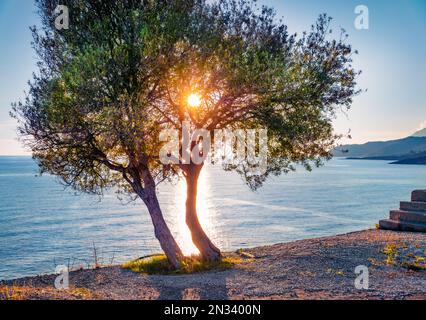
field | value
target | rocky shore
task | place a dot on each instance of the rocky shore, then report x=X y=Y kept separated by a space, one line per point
x=321 y=268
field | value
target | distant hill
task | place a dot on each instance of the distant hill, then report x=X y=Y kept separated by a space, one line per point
x=417 y=158
x=410 y=150
x=393 y=149
x=420 y=133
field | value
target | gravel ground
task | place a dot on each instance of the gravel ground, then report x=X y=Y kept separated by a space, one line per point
x=322 y=268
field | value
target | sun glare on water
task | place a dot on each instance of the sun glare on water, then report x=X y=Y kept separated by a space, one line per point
x=206 y=214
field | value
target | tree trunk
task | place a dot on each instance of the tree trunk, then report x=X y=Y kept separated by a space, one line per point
x=207 y=249
x=162 y=231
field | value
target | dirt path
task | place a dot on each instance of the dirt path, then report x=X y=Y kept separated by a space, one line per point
x=322 y=268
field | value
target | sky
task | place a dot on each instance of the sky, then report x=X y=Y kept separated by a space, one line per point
x=391 y=56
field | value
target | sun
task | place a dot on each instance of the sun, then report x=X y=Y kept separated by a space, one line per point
x=194 y=100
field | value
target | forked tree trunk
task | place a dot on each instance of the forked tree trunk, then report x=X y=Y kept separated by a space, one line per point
x=207 y=249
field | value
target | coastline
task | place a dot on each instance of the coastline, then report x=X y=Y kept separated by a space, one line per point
x=317 y=268
x=407 y=160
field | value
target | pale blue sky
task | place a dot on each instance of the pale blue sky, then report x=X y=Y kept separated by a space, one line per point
x=392 y=57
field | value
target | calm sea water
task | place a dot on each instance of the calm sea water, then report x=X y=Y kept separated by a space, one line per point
x=43 y=225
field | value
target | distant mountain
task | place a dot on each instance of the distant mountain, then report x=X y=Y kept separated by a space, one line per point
x=393 y=149
x=420 y=133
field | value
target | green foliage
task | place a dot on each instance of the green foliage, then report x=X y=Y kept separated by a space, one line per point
x=411 y=256
x=158 y=264
x=390 y=250
x=108 y=85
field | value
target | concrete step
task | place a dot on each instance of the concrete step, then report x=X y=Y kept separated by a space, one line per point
x=409 y=216
x=418 y=195
x=413 y=206
x=389 y=224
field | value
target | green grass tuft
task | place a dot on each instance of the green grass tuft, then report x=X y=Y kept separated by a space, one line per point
x=158 y=264
x=409 y=256
x=390 y=250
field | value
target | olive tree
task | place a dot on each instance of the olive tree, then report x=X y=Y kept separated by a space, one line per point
x=126 y=70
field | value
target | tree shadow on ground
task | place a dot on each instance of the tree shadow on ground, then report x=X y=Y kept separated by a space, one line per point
x=201 y=286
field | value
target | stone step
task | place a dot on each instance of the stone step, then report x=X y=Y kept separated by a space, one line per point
x=413 y=206
x=418 y=195
x=389 y=224
x=408 y=216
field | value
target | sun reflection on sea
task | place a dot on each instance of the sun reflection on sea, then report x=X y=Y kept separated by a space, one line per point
x=205 y=209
